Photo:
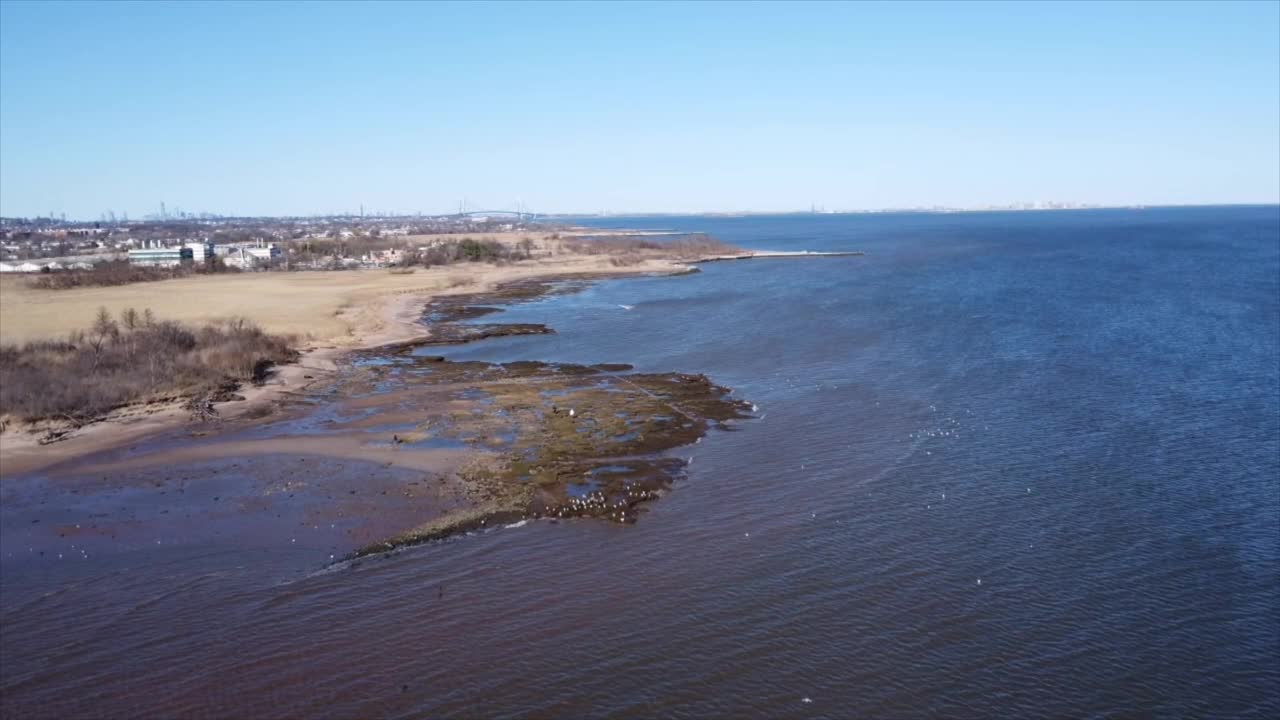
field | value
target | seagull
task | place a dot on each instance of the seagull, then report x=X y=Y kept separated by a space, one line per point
x=627 y=307
x=571 y=412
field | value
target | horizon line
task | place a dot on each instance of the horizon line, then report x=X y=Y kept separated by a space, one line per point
x=922 y=209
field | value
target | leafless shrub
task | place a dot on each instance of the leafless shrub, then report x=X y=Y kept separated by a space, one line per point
x=94 y=372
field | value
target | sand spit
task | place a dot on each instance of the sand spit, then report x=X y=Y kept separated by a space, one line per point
x=766 y=254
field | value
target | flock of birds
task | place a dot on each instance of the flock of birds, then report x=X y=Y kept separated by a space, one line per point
x=597 y=503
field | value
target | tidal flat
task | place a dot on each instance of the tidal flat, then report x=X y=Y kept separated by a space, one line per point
x=399 y=447
x=558 y=440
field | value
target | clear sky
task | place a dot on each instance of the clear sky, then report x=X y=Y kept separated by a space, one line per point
x=277 y=108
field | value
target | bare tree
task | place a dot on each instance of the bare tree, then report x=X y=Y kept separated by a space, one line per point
x=104 y=328
x=130 y=319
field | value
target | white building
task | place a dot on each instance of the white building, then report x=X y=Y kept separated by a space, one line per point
x=381 y=258
x=261 y=255
x=160 y=257
x=268 y=253
x=200 y=251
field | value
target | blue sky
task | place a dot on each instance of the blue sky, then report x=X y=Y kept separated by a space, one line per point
x=278 y=108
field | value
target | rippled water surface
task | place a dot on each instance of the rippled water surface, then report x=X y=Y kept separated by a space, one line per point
x=1006 y=465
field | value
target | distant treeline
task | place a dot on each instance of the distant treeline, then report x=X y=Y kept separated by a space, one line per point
x=324 y=254
x=470 y=250
x=694 y=245
x=336 y=254
x=122 y=272
x=622 y=248
x=136 y=358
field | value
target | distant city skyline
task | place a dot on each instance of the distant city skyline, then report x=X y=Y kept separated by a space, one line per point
x=286 y=109
x=111 y=217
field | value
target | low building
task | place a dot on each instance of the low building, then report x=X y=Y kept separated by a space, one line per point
x=201 y=251
x=382 y=258
x=161 y=257
x=267 y=254
x=247 y=258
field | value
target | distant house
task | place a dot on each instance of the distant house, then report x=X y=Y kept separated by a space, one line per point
x=161 y=257
x=251 y=257
x=266 y=254
x=380 y=258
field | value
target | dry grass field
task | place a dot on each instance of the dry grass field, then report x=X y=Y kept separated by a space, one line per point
x=340 y=307
x=321 y=306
